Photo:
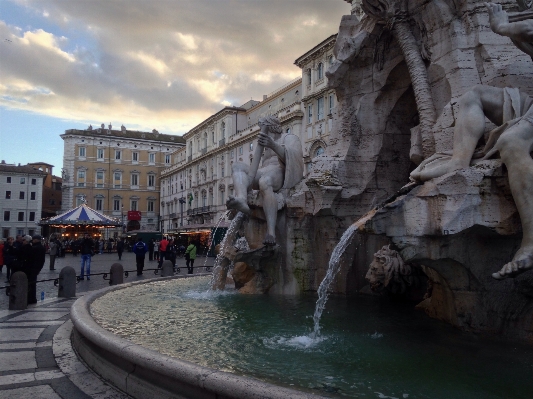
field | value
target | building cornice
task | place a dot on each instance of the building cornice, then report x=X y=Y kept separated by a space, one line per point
x=316 y=51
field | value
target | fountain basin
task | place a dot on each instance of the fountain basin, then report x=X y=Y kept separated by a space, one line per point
x=145 y=373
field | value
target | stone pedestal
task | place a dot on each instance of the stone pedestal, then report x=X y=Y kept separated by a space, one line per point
x=116 y=274
x=18 y=293
x=67 y=283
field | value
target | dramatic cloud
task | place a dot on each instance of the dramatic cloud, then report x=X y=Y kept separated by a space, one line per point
x=165 y=64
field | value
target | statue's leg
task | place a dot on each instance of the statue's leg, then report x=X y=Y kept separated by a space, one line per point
x=515 y=146
x=241 y=184
x=270 y=182
x=474 y=105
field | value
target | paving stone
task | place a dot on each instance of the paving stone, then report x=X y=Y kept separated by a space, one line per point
x=45 y=357
x=30 y=377
x=17 y=360
x=32 y=323
x=40 y=392
x=19 y=345
x=30 y=316
x=67 y=389
x=20 y=334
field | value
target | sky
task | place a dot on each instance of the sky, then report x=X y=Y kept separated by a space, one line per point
x=144 y=64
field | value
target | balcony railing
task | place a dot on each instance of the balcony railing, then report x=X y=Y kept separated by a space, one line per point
x=198 y=211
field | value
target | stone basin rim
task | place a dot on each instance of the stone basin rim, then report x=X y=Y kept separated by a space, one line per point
x=136 y=369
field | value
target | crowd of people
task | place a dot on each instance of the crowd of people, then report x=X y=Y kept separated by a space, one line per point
x=28 y=254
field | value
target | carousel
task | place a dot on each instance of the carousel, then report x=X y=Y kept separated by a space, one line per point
x=75 y=222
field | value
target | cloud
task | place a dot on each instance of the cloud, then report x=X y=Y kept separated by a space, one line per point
x=165 y=64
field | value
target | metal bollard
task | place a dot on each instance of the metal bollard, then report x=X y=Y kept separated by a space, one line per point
x=18 y=293
x=67 y=283
x=116 y=274
x=167 y=270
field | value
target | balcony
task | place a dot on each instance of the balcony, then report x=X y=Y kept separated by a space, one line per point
x=198 y=211
x=173 y=215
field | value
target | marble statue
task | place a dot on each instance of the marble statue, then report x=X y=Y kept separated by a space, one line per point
x=512 y=111
x=282 y=168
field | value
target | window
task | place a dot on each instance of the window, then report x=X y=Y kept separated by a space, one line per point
x=232 y=154
x=32 y=217
x=8 y=194
x=81 y=174
x=8 y=179
x=81 y=152
x=251 y=146
x=320 y=108
x=33 y=182
x=116 y=205
x=33 y=195
x=222 y=171
x=319 y=151
x=309 y=113
x=167 y=158
x=222 y=199
x=134 y=179
x=150 y=207
x=309 y=76
x=205 y=140
x=223 y=130
x=135 y=156
x=21 y=195
x=99 y=204
x=240 y=150
x=118 y=155
x=100 y=179
x=151 y=180
x=288 y=131
x=213 y=135
x=331 y=103
x=117 y=182
x=22 y=180
x=20 y=217
x=51 y=202
x=330 y=60
x=320 y=71
x=133 y=205
x=151 y=158
x=100 y=154
x=7 y=215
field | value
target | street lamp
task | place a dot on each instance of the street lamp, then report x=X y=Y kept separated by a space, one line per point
x=182 y=201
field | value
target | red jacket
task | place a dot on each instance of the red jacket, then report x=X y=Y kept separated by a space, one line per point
x=163 y=245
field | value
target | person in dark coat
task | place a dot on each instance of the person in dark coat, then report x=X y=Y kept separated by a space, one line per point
x=140 y=249
x=120 y=248
x=151 y=250
x=86 y=250
x=34 y=266
x=10 y=256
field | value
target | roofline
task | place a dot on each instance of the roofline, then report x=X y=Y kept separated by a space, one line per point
x=205 y=121
x=308 y=53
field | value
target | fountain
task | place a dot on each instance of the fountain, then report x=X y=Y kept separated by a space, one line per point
x=436 y=242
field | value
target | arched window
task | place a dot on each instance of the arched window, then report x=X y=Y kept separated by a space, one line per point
x=320 y=71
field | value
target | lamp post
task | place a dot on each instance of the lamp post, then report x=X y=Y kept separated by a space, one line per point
x=182 y=201
x=122 y=213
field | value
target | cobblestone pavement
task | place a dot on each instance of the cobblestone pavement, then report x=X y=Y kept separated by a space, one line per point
x=36 y=358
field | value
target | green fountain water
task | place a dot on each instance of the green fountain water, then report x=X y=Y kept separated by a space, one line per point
x=367 y=348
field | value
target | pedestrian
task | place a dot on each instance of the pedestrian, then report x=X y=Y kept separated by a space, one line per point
x=171 y=252
x=140 y=250
x=53 y=252
x=156 y=250
x=24 y=254
x=10 y=256
x=19 y=241
x=162 y=251
x=120 y=248
x=151 y=250
x=101 y=246
x=190 y=256
x=34 y=267
x=86 y=250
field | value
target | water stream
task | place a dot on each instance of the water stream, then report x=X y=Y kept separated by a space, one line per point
x=213 y=235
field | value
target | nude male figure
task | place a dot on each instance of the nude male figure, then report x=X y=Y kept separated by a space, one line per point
x=515 y=144
x=282 y=168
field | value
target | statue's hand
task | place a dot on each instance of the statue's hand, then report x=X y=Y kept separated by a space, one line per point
x=497 y=17
x=266 y=141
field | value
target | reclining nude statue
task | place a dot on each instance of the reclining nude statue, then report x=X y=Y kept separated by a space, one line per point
x=282 y=168
x=512 y=111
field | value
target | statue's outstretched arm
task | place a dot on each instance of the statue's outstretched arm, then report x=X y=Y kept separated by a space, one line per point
x=521 y=31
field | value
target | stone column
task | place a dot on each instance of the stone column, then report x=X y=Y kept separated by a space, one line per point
x=116 y=274
x=18 y=293
x=167 y=269
x=67 y=283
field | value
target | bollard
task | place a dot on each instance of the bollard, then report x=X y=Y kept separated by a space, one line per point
x=167 y=270
x=18 y=293
x=116 y=274
x=67 y=283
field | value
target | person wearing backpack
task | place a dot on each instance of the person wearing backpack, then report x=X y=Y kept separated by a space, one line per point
x=190 y=256
x=140 y=249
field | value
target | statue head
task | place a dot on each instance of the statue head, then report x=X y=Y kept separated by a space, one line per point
x=272 y=122
x=388 y=271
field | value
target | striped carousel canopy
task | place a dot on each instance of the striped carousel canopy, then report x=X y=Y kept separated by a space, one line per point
x=81 y=215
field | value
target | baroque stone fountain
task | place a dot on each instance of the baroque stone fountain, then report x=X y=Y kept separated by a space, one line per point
x=423 y=195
